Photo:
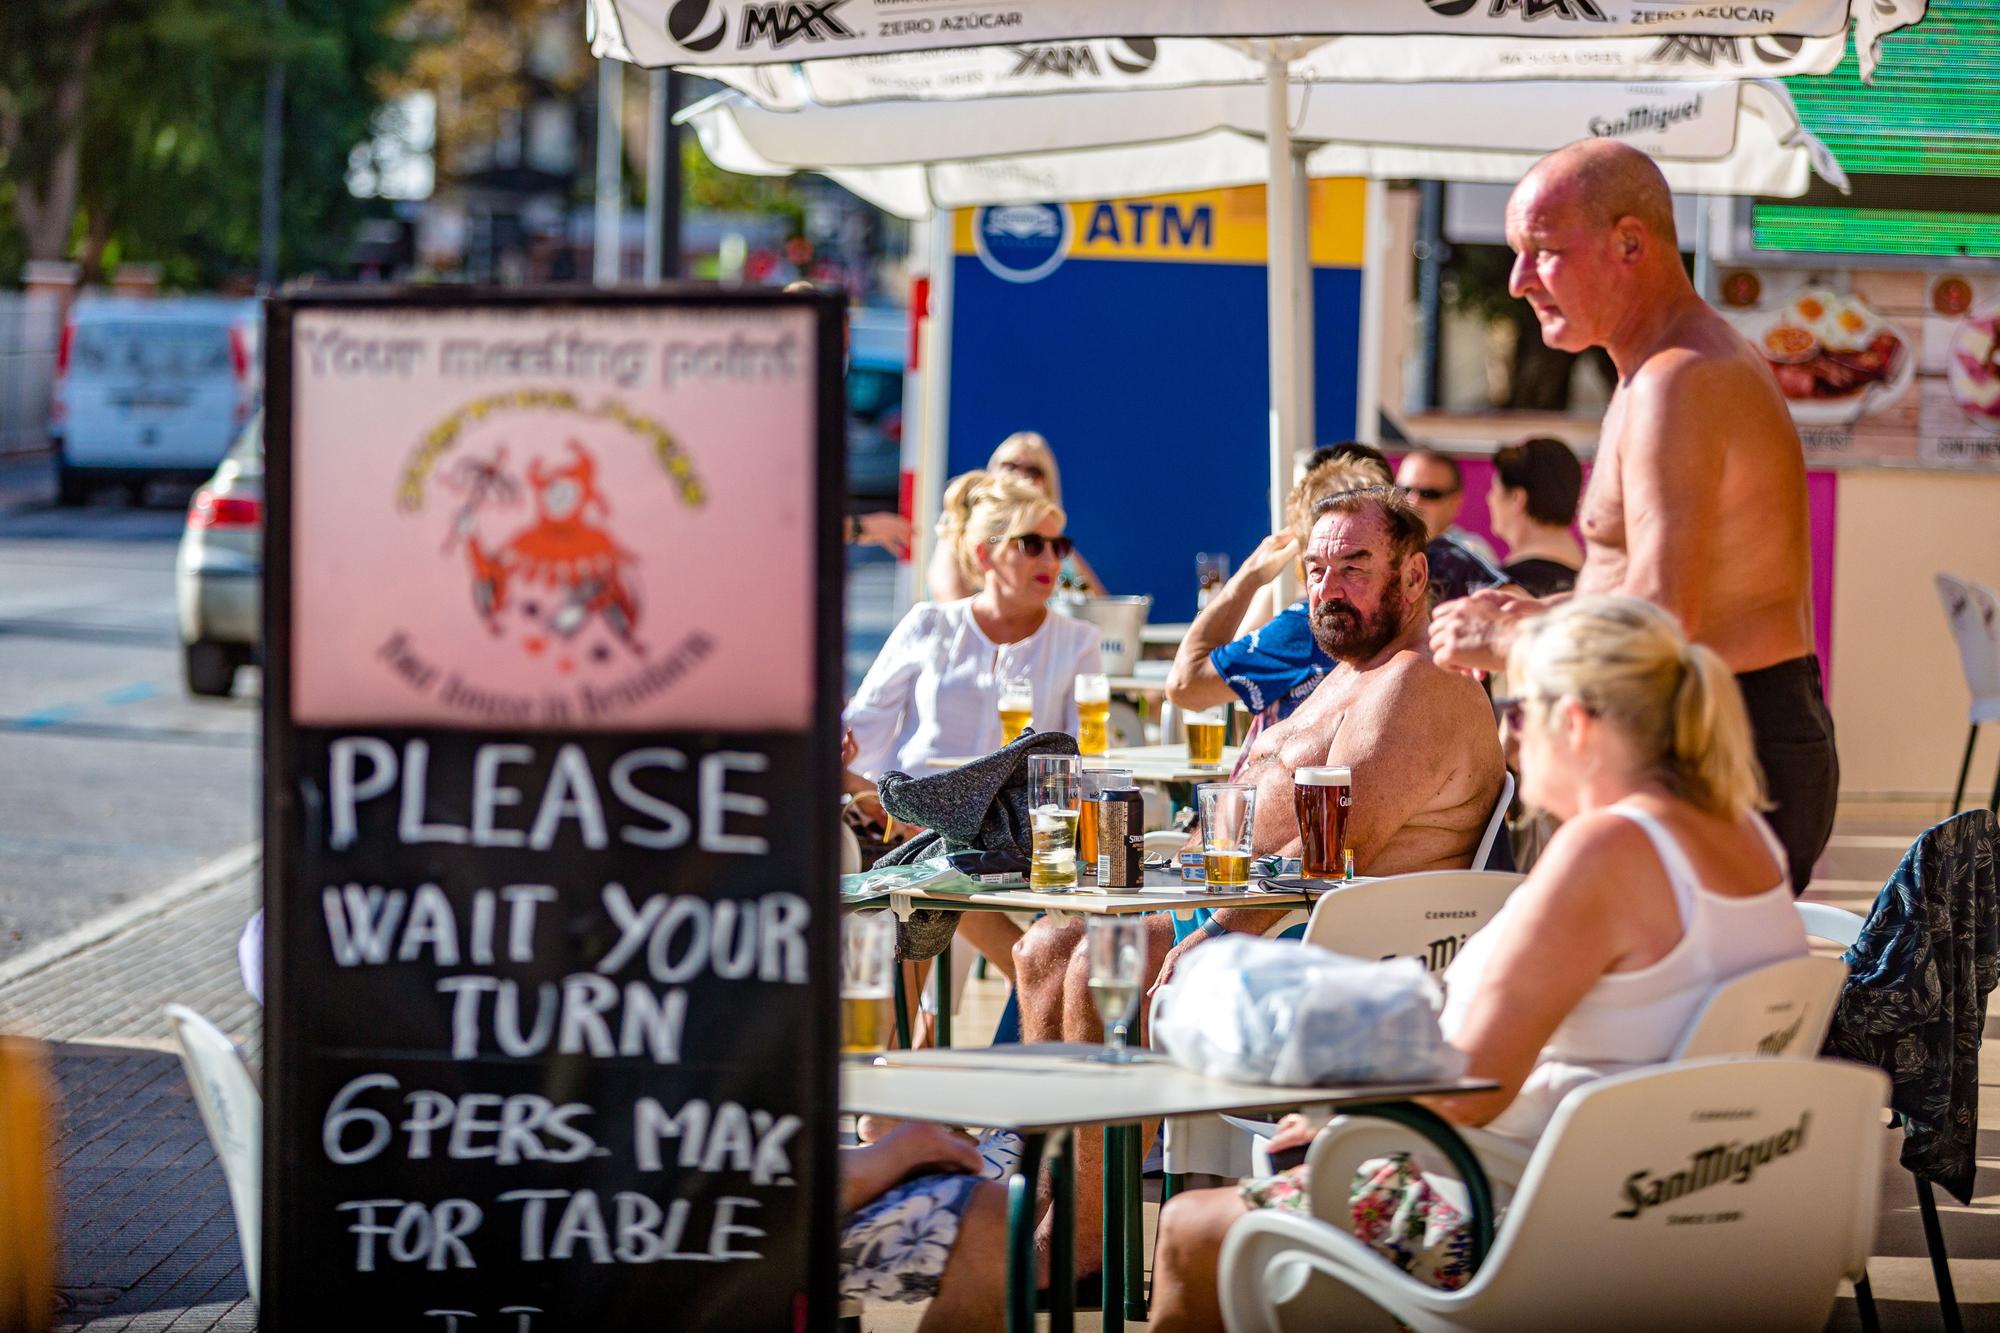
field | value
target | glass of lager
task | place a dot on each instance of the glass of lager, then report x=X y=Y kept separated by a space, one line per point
x=1204 y=736
x=1096 y=781
x=867 y=982
x=1323 y=798
x=1017 y=707
x=1093 y=714
x=1117 y=974
x=1054 y=793
x=1228 y=819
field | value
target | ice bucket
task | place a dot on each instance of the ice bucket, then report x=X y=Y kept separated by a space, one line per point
x=1118 y=621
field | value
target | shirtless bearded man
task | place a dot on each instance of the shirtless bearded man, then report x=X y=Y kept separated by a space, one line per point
x=1697 y=502
x=1421 y=742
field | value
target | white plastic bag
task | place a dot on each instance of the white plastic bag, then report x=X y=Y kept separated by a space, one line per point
x=1275 y=1011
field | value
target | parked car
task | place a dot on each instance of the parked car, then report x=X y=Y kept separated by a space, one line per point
x=877 y=342
x=218 y=572
x=149 y=389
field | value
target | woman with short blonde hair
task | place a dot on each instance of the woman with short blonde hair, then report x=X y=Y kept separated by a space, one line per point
x=1663 y=883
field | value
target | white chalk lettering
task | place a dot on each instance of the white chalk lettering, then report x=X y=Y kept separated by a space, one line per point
x=717 y=801
x=410 y=825
x=575 y=1012
x=645 y=1232
x=436 y=1239
x=673 y=830
x=488 y=796
x=731 y=1138
x=345 y=792
x=363 y=923
x=684 y=935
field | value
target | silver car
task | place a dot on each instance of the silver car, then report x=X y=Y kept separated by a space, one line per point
x=218 y=574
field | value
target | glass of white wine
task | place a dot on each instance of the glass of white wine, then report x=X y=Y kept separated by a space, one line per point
x=867 y=982
x=1117 y=976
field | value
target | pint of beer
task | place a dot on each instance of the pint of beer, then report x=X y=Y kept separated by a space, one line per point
x=1323 y=798
x=1093 y=713
x=1017 y=707
x=1204 y=736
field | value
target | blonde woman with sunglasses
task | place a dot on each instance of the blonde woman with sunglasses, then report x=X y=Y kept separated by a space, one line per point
x=934 y=687
x=1025 y=457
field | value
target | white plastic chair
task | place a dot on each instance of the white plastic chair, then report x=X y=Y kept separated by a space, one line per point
x=1974 y=612
x=1426 y=915
x=1576 y=1250
x=233 y=1113
x=1836 y=925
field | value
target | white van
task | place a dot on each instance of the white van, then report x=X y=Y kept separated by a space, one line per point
x=150 y=388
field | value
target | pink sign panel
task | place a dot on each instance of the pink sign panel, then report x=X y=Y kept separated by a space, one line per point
x=563 y=518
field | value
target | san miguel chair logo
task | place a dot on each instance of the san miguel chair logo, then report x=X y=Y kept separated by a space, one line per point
x=1731 y=1163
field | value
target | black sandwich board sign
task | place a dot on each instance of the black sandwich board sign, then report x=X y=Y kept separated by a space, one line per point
x=552 y=638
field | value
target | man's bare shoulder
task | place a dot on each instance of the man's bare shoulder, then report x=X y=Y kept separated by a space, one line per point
x=1411 y=678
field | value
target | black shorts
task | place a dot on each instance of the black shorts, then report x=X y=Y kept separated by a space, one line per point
x=1794 y=736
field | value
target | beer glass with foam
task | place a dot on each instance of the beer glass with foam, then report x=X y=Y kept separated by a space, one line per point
x=1093 y=713
x=867 y=982
x=1228 y=821
x=1323 y=798
x=1017 y=707
x=1204 y=736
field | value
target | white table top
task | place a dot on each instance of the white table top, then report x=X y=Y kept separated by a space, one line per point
x=1149 y=763
x=1169 y=633
x=1038 y=1088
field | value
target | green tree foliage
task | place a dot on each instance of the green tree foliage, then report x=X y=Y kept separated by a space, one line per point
x=131 y=130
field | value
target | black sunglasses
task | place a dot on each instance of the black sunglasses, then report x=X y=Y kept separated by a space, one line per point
x=1508 y=710
x=1025 y=469
x=1430 y=493
x=1033 y=542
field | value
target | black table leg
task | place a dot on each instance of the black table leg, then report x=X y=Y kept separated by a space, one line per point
x=1021 y=1236
x=1134 y=1167
x=1062 y=1234
x=1111 y=1281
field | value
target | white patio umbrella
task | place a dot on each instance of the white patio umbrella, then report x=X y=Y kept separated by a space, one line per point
x=863 y=50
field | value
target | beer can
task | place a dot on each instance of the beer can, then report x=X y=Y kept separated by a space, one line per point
x=1121 y=839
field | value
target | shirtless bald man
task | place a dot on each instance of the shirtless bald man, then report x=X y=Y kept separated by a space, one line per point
x=1420 y=739
x=1697 y=502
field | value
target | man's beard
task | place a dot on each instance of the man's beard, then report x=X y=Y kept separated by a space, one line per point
x=1345 y=634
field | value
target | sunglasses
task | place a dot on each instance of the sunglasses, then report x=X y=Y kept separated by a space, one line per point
x=1024 y=469
x=1033 y=542
x=1430 y=493
x=1510 y=709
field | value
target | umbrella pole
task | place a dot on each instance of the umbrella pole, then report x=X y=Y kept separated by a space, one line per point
x=1282 y=236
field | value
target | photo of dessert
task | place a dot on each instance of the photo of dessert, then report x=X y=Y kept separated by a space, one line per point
x=1973 y=368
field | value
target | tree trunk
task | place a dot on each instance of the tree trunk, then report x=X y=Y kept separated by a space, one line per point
x=46 y=206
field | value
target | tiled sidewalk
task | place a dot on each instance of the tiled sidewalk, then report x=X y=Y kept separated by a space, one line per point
x=148 y=1240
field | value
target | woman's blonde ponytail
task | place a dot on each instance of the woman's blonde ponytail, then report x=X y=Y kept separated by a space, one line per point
x=1712 y=754
x=954 y=515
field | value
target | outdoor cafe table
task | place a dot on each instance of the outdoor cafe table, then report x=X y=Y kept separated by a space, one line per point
x=1149 y=763
x=1163 y=892
x=1045 y=1093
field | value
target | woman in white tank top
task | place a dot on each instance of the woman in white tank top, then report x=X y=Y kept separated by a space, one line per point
x=1662 y=883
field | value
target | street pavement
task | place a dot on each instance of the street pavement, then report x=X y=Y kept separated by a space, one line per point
x=113 y=780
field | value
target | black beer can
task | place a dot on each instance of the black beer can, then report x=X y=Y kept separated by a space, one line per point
x=1121 y=839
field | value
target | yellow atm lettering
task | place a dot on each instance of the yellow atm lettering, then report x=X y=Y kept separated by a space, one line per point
x=1150 y=226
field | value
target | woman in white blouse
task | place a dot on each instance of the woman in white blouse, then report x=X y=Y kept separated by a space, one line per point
x=934 y=688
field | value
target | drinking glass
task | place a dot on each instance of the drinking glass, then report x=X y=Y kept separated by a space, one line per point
x=1017 y=707
x=1093 y=713
x=1204 y=736
x=1323 y=797
x=1117 y=975
x=1095 y=782
x=1054 y=795
x=867 y=982
x=1211 y=571
x=1228 y=818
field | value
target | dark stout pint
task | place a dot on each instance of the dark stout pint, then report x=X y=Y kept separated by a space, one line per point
x=1322 y=797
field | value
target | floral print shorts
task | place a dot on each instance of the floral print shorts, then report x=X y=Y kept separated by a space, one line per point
x=894 y=1248
x=1397 y=1212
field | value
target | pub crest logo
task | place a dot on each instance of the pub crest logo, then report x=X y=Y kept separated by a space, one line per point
x=531 y=530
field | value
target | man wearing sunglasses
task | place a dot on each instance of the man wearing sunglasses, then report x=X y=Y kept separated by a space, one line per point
x=1435 y=487
x=1697 y=502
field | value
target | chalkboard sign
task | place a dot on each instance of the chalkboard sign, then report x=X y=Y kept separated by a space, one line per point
x=552 y=640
